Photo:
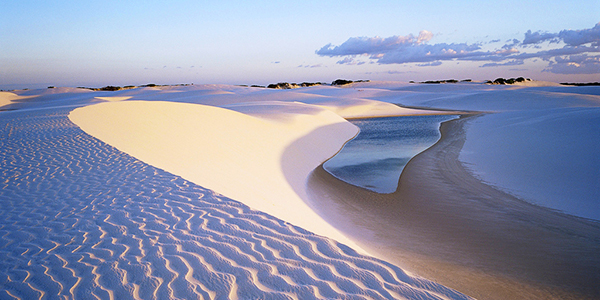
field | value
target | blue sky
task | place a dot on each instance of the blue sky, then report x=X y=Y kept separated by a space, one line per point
x=97 y=43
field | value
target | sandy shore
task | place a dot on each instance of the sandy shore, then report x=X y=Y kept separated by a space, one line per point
x=446 y=225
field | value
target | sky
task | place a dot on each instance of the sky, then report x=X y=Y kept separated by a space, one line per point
x=99 y=43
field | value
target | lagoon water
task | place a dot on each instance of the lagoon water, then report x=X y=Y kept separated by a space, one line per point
x=375 y=158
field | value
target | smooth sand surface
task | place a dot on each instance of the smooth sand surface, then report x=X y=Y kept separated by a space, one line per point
x=240 y=156
x=261 y=156
x=113 y=99
x=448 y=226
x=7 y=98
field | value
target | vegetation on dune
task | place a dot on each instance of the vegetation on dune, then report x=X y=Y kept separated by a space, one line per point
x=442 y=81
x=507 y=81
x=344 y=81
x=127 y=87
x=287 y=85
x=581 y=83
x=283 y=85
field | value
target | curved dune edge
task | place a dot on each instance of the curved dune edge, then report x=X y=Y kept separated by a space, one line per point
x=112 y=99
x=476 y=239
x=7 y=98
x=82 y=219
x=236 y=155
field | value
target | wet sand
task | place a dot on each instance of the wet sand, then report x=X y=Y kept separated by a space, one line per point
x=446 y=225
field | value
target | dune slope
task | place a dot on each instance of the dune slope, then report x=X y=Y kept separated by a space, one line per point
x=234 y=154
x=81 y=219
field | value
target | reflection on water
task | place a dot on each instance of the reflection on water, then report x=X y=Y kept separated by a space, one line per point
x=377 y=156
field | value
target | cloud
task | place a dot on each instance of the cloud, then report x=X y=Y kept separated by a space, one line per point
x=366 y=45
x=346 y=61
x=569 y=37
x=311 y=66
x=510 y=44
x=580 y=37
x=575 y=64
x=430 y=64
x=538 y=37
x=350 y=61
x=416 y=49
x=515 y=62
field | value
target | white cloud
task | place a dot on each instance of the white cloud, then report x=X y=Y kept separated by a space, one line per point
x=415 y=49
x=538 y=37
x=424 y=36
x=347 y=61
x=430 y=64
x=515 y=62
x=575 y=64
x=311 y=66
x=569 y=37
x=366 y=45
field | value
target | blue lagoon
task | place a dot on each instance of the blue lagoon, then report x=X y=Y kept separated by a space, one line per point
x=375 y=158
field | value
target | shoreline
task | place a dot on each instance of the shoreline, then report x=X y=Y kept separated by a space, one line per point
x=448 y=226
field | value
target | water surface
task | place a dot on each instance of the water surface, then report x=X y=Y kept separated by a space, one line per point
x=375 y=158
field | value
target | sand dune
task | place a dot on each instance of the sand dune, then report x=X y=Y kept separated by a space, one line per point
x=81 y=219
x=234 y=154
x=227 y=217
x=7 y=98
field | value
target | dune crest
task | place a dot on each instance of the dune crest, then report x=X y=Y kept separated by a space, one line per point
x=234 y=154
x=81 y=219
x=113 y=99
x=7 y=98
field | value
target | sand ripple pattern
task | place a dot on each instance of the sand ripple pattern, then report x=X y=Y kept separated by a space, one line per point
x=79 y=219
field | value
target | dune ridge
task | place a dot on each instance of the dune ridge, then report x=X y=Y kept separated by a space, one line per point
x=231 y=153
x=99 y=223
x=7 y=98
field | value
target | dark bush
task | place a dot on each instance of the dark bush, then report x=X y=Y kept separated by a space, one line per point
x=282 y=85
x=500 y=81
x=341 y=82
x=110 y=88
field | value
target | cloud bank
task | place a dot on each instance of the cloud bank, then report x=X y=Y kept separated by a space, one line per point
x=570 y=55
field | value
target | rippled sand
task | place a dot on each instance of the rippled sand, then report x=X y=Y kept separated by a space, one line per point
x=80 y=219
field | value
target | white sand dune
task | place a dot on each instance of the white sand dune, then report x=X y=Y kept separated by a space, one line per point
x=112 y=99
x=7 y=98
x=204 y=193
x=82 y=219
x=234 y=154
